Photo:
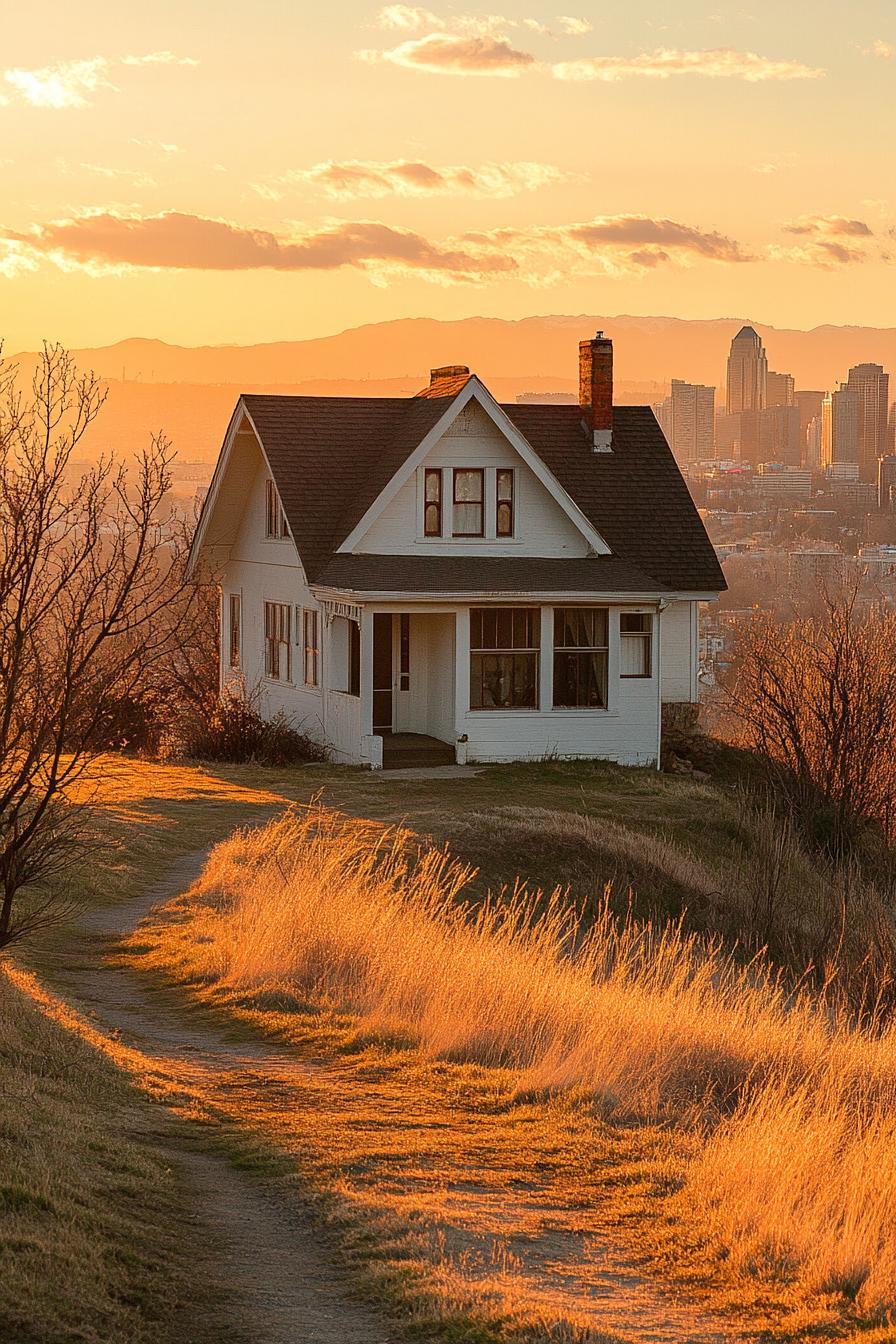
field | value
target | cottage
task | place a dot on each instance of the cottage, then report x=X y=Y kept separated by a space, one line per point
x=443 y=578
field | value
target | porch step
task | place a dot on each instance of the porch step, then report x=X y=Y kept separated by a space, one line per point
x=407 y=751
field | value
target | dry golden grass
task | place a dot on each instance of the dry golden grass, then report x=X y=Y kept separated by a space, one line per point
x=797 y=1174
x=95 y=1239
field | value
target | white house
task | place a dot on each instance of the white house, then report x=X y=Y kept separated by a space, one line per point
x=441 y=577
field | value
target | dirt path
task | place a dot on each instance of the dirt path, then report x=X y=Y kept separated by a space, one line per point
x=288 y=1290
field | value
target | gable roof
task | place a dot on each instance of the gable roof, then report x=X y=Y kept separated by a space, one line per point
x=332 y=456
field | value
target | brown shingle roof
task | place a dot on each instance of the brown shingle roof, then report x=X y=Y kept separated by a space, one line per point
x=332 y=456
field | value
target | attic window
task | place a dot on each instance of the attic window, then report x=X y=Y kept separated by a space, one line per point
x=432 y=503
x=504 y=502
x=469 y=489
x=275 y=519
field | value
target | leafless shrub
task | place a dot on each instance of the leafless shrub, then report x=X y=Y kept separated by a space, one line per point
x=815 y=697
x=89 y=592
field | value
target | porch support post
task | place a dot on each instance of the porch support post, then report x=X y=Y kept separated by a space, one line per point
x=546 y=661
x=366 y=672
x=461 y=680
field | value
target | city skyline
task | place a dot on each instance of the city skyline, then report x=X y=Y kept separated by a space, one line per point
x=161 y=180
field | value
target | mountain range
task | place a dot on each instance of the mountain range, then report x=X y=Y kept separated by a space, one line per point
x=189 y=391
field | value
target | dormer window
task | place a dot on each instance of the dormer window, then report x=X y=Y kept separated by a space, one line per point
x=275 y=518
x=504 y=502
x=469 y=490
x=432 y=503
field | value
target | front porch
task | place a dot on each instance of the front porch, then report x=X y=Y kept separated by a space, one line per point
x=450 y=682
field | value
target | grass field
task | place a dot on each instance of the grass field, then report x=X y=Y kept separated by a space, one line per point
x=464 y=1187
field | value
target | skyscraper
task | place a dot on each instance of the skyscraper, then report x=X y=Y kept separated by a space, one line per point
x=870 y=386
x=779 y=389
x=747 y=373
x=687 y=419
x=840 y=428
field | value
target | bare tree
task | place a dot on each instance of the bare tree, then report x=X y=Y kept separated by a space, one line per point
x=816 y=698
x=87 y=581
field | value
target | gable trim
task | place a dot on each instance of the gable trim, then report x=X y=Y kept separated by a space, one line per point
x=474 y=389
x=240 y=413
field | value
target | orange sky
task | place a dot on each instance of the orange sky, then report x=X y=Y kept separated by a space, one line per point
x=291 y=169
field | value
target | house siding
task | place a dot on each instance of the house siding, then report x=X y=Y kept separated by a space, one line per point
x=679 y=652
x=265 y=570
x=541 y=525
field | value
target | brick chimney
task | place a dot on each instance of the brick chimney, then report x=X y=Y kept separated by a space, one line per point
x=448 y=373
x=596 y=391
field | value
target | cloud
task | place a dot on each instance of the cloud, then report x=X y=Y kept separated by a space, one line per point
x=885 y=51
x=157 y=146
x=356 y=179
x=573 y=27
x=70 y=84
x=66 y=84
x=613 y=245
x=827 y=241
x=445 y=54
x=836 y=226
x=407 y=18
x=159 y=58
x=14 y=260
x=103 y=241
x=663 y=63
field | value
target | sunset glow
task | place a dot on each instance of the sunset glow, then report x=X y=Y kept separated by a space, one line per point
x=206 y=183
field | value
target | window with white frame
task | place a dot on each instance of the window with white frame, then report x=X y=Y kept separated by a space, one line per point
x=469 y=498
x=635 y=644
x=581 y=657
x=504 y=502
x=277 y=641
x=432 y=502
x=275 y=519
x=310 y=629
x=235 y=630
x=504 y=652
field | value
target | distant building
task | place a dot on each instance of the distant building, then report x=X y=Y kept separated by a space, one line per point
x=779 y=435
x=776 y=479
x=809 y=405
x=886 y=483
x=870 y=386
x=546 y=399
x=878 y=562
x=812 y=453
x=687 y=418
x=779 y=389
x=821 y=566
x=747 y=373
x=840 y=428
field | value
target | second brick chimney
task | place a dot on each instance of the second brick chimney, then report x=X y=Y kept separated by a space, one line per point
x=596 y=391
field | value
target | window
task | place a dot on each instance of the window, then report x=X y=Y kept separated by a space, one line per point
x=404 y=652
x=580 y=657
x=275 y=518
x=468 y=492
x=504 y=503
x=635 y=638
x=504 y=644
x=432 y=502
x=277 y=641
x=311 y=640
x=235 y=630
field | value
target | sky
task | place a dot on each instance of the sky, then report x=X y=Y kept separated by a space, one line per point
x=231 y=173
